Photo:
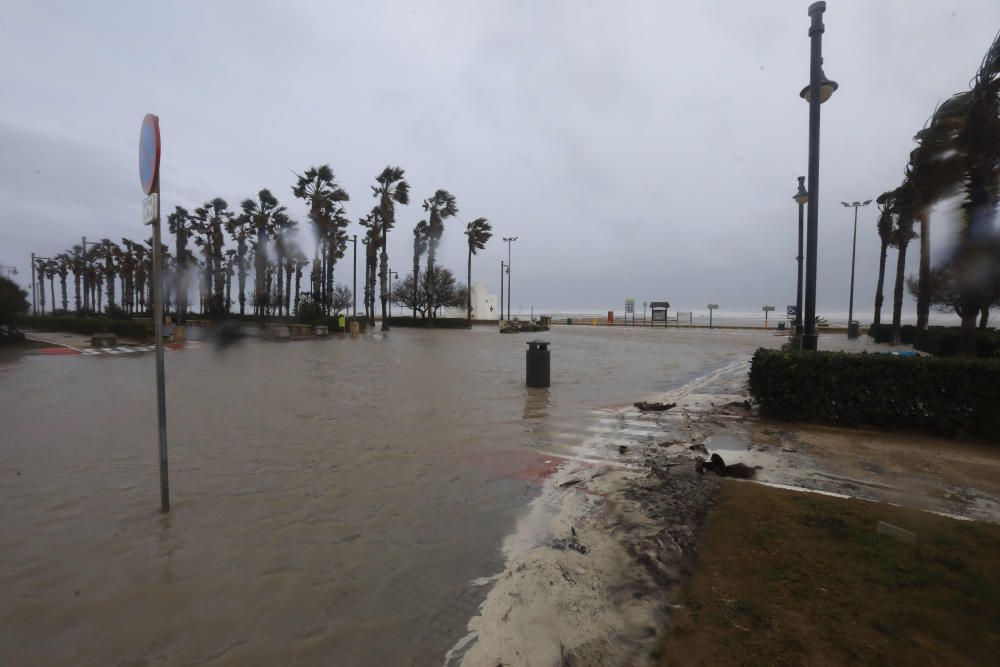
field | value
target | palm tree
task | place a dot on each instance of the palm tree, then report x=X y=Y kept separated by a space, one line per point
x=319 y=189
x=419 y=248
x=109 y=249
x=261 y=212
x=241 y=228
x=40 y=272
x=180 y=226
x=280 y=226
x=479 y=231
x=51 y=267
x=885 y=203
x=62 y=267
x=373 y=236
x=901 y=236
x=210 y=219
x=439 y=207
x=300 y=263
x=76 y=265
x=392 y=189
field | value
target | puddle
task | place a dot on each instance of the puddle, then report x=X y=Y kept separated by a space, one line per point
x=727 y=442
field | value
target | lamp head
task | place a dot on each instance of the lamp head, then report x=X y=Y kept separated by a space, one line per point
x=826 y=89
x=801 y=197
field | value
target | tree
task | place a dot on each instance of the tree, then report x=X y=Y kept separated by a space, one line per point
x=261 y=213
x=439 y=208
x=280 y=226
x=885 y=203
x=373 y=236
x=13 y=301
x=945 y=291
x=210 y=219
x=445 y=292
x=409 y=294
x=179 y=223
x=319 y=189
x=62 y=268
x=479 y=231
x=340 y=298
x=902 y=234
x=241 y=228
x=76 y=266
x=419 y=248
x=109 y=249
x=392 y=189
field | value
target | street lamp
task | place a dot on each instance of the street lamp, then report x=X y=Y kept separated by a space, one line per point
x=818 y=91
x=502 y=269
x=392 y=274
x=801 y=197
x=852 y=326
x=354 y=290
x=9 y=270
x=508 y=240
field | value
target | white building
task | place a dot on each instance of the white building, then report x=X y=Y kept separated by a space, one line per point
x=484 y=305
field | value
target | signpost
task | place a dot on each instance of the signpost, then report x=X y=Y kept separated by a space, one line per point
x=767 y=309
x=711 y=309
x=149 y=176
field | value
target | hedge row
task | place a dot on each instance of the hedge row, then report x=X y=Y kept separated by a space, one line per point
x=439 y=322
x=87 y=325
x=950 y=396
x=947 y=342
x=882 y=333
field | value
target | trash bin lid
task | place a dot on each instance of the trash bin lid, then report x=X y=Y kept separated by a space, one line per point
x=535 y=344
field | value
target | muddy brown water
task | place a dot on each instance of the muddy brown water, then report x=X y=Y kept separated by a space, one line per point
x=334 y=500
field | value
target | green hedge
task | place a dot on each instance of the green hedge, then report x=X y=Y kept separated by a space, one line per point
x=951 y=396
x=439 y=322
x=947 y=342
x=882 y=333
x=87 y=325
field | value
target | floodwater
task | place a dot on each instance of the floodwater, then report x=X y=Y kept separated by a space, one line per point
x=334 y=501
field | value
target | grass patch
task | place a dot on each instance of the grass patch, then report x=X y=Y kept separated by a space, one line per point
x=787 y=578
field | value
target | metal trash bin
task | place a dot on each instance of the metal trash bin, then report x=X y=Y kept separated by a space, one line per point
x=853 y=329
x=781 y=326
x=537 y=366
x=569 y=320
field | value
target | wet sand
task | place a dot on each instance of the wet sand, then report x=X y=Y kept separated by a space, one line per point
x=335 y=502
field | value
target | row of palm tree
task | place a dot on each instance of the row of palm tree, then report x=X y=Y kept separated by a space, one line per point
x=261 y=234
x=957 y=152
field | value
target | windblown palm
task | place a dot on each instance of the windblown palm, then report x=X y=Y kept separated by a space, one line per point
x=479 y=231
x=261 y=212
x=419 y=248
x=179 y=223
x=319 y=189
x=439 y=208
x=392 y=189
x=885 y=203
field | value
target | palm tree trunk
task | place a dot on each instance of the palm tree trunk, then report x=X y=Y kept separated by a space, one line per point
x=241 y=251
x=924 y=285
x=65 y=300
x=383 y=289
x=76 y=289
x=897 y=301
x=427 y=284
x=298 y=284
x=288 y=287
x=468 y=288
x=52 y=287
x=880 y=285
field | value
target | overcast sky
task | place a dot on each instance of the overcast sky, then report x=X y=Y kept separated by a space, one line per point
x=637 y=149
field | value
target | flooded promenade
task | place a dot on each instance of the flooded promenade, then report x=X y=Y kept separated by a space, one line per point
x=334 y=501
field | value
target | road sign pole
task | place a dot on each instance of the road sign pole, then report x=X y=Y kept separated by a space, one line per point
x=161 y=391
x=149 y=176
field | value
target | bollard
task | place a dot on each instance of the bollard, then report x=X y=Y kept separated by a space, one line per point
x=537 y=371
x=355 y=328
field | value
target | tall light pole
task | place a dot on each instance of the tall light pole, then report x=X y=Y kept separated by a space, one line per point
x=354 y=290
x=508 y=240
x=801 y=197
x=502 y=266
x=852 y=327
x=818 y=91
x=392 y=274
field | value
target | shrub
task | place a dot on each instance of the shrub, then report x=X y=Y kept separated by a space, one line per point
x=947 y=342
x=951 y=396
x=882 y=333
x=88 y=325
x=439 y=322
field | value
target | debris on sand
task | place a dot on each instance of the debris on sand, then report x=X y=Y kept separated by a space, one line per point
x=645 y=406
x=717 y=465
x=571 y=543
x=699 y=448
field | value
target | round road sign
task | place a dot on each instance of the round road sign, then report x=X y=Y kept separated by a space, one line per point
x=149 y=154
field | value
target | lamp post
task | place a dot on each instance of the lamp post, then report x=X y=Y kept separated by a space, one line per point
x=818 y=91
x=852 y=326
x=508 y=240
x=354 y=290
x=801 y=197
x=392 y=274
x=9 y=270
x=502 y=266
